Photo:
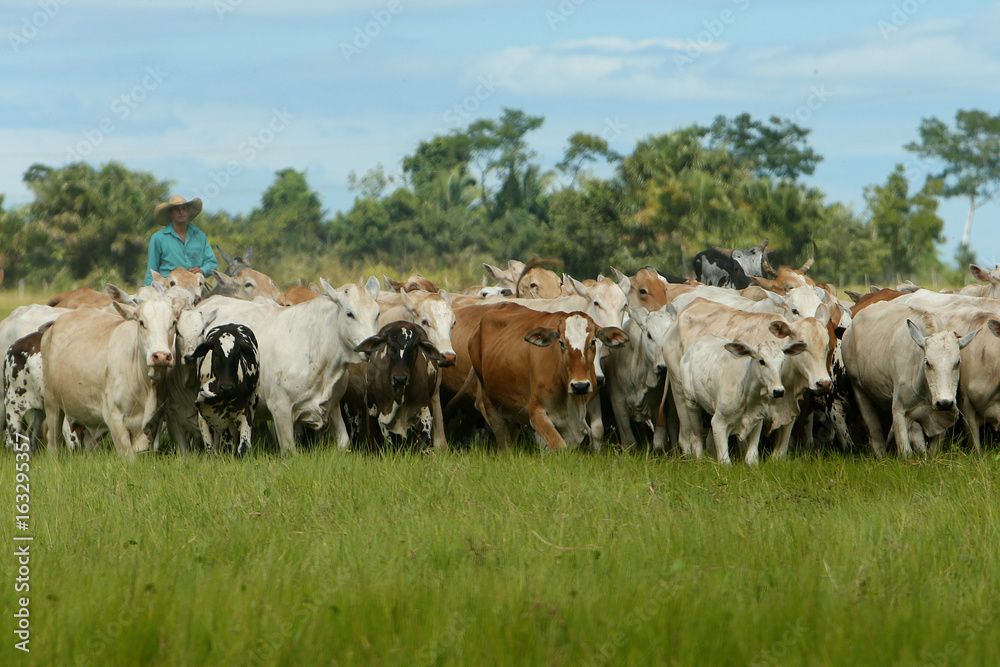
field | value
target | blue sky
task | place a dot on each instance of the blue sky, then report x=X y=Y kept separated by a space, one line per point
x=217 y=95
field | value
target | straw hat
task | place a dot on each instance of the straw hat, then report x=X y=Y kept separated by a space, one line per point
x=162 y=211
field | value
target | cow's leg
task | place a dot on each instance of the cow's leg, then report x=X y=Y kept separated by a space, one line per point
x=870 y=416
x=206 y=433
x=660 y=433
x=971 y=421
x=917 y=438
x=119 y=432
x=623 y=418
x=437 y=414
x=690 y=436
x=543 y=425
x=595 y=422
x=720 y=434
x=783 y=439
x=901 y=431
x=753 y=444
x=53 y=421
x=245 y=422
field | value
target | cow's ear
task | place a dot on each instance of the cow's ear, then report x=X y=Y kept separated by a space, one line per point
x=368 y=345
x=738 y=349
x=390 y=284
x=248 y=254
x=994 y=327
x=407 y=302
x=493 y=272
x=795 y=348
x=915 y=334
x=979 y=273
x=639 y=314
x=118 y=294
x=624 y=282
x=776 y=299
x=372 y=286
x=209 y=318
x=445 y=297
x=225 y=256
x=199 y=352
x=612 y=336
x=222 y=278
x=823 y=314
x=542 y=337
x=780 y=329
x=178 y=305
x=157 y=277
x=967 y=338
x=854 y=296
x=125 y=310
x=430 y=351
x=618 y=274
x=573 y=286
x=329 y=291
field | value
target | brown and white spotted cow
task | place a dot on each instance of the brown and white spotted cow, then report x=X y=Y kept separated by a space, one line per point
x=400 y=380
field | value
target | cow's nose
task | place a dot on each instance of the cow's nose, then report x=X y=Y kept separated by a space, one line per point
x=946 y=404
x=661 y=369
x=226 y=385
x=162 y=358
x=398 y=380
x=449 y=360
x=579 y=387
x=823 y=386
x=778 y=393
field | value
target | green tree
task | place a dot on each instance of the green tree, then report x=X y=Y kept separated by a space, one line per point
x=775 y=149
x=971 y=158
x=290 y=217
x=500 y=152
x=584 y=148
x=88 y=221
x=904 y=229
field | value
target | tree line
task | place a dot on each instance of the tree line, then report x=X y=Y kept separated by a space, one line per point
x=479 y=194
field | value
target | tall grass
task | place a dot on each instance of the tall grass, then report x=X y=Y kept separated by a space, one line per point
x=522 y=558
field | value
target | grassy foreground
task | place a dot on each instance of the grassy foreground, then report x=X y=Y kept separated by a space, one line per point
x=327 y=558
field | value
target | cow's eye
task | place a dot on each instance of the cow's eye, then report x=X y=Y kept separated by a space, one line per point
x=142 y=324
x=424 y=323
x=795 y=311
x=350 y=314
x=760 y=361
x=248 y=285
x=649 y=335
x=562 y=345
x=643 y=291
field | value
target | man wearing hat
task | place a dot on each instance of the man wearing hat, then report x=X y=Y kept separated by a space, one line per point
x=179 y=243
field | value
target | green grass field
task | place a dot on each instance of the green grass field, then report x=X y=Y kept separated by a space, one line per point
x=475 y=557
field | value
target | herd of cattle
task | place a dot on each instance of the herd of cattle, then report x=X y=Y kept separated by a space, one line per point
x=742 y=352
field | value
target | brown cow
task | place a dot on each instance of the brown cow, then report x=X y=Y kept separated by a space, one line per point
x=787 y=278
x=79 y=298
x=524 y=379
x=298 y=294
x=414 y=282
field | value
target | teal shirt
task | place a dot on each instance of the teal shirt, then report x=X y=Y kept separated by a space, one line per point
x=167 y=252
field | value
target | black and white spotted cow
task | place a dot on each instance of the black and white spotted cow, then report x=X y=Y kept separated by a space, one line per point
x=228 y=373
x=731 y=268
x=400 y=379
x=24 y=393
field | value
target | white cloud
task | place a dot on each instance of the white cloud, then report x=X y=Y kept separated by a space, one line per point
x=621 y=45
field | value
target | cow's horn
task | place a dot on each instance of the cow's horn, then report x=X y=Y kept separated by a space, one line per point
x=763 y=245
x=809 y=262
x=724 y=251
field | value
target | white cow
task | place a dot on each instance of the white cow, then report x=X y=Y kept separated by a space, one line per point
x=635 y=371
x=304 y=352
x=735 y=384
x=906 y=360
x=807 y=371
x=978 y=384
x=102 y=368
x=798 y=304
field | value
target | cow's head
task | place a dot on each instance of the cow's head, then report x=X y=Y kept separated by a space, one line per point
x=766 y=362
x=752 y=260
x=647 y=289
x=191 y=327
x=236 y=264
x=811 y=365
x=942 y=358
x=799 y=302
x=394 y=350
x=187 y=280
x=228 y=362
x=433 y=311
x=414 y=282
x=358 y=311
x=578 y=336
x=250 y=284
x=651 y=330
x=990 y=277
x=156 y=322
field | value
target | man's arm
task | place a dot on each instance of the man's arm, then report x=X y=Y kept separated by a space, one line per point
x=208 y=261
x=153 y=260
